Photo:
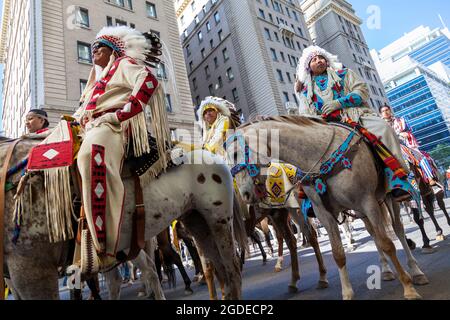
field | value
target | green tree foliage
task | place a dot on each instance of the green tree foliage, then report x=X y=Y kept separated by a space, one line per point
x=441 y=154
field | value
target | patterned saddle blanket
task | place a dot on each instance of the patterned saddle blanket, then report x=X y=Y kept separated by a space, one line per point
x=280 y=179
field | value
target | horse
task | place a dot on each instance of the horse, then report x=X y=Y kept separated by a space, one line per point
x=199 y=195
x=306 y=143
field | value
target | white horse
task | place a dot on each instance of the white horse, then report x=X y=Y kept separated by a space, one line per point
x=201 y=195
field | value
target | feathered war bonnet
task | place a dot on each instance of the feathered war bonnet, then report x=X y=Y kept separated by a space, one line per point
x=125 y=41
x=304 y=70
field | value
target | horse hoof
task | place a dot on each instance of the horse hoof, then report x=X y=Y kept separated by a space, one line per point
x=388 y=276
x=322 y=284
x=188 y=291
x=428 y=250
x=440 y=237
x=351 y=248
x=413 y=296
x=292 y=289
x=420 y=280
x=278 y=269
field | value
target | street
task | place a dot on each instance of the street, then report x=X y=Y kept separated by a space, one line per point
x=260 y=282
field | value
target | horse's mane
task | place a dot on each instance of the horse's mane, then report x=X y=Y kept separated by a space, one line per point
x=292 y=119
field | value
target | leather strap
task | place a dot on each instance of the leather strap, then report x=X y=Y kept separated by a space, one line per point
x=138 y=233
x=3 y=173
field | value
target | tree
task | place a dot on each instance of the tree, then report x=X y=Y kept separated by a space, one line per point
x=441 y=154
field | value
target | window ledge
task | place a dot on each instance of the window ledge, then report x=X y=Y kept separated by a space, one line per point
x=117 y=6
x=85 y=62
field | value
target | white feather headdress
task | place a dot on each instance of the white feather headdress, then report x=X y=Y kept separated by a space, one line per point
x=303 y=69
x=126 y=41
x=222 y=105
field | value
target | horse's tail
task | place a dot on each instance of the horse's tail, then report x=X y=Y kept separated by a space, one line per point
x=387 y=221
x=240 y=234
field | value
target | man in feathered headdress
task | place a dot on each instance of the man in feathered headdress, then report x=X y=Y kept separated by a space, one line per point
x=216 y=116
x=327 y=88
x=120 y=86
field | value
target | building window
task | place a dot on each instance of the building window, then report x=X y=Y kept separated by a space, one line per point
x=270 y=17
x=285 y=97
x=217 y=17
x=211 y=43
x=235 y=94
x=289 y=77
x=120 y=22
x=274 y=54
x=208 y=26
x=295 y=98
x=220 y=82
x=230 y=74
x=191 y=66
x=267 y=33
x=280 y=75
x=168 y=103
x=196 y=19
x=200 y=36
x=282 y=56
x=225 y=54
x=161 y=71
x=211 y=90
x=193 y=6
x=188 y=50
x=151 y=10
x=207 y=73
x=83 y=84
x=276 y=36
x=84 y=52
x=203 y=53
x=128 y=4
x=216 y=62
x=220 y=33
x=197 y=100
x=83 y=17
x=194 y=83
x=109 y=21
x=261 y=14
x=295 y=15
x=182 y=20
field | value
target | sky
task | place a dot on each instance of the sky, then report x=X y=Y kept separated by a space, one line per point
x=398 y=17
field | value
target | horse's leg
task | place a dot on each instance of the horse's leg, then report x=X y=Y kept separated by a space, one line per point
x=145 y=262
x=114 y=283
x=428 y=202
x=441 y=204
x=310 y=234
x=266 y=231
x=348 y=235
x=386 y=272
x=426 y=248
x=418 y=276
x=373 y=212
x=254 y=236
x=94 y=286
x=194 y=256
x=187 y=281
x=280 y=259
x=281 y=224
x=334 y=235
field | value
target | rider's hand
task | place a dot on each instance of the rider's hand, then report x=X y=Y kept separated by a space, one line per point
x=330 y=107
x=110 y=117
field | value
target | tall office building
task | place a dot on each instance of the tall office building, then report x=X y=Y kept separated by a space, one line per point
x=334 y=26
x=45 y=48
x=245 y=51
x=414 y=70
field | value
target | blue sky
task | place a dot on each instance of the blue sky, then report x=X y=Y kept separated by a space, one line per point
x=399 y=17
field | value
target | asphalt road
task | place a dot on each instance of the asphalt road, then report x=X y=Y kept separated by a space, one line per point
x=260 y=282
